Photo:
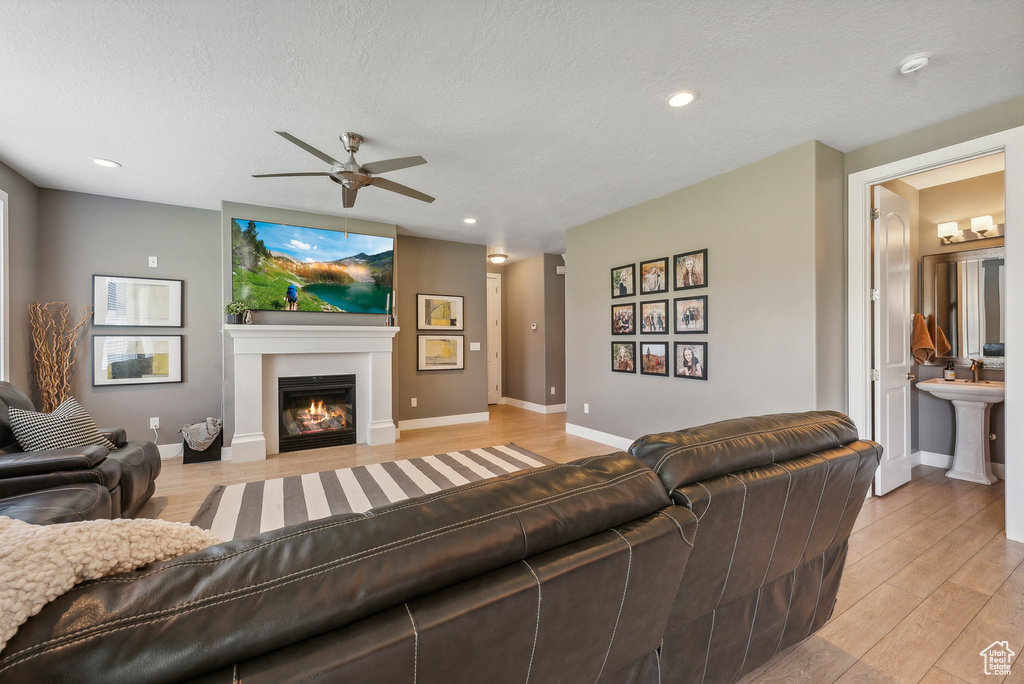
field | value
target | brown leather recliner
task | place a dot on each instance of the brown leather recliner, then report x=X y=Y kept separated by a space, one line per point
x=64 y=485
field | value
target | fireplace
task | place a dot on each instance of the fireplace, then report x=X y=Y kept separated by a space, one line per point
x=316 y=411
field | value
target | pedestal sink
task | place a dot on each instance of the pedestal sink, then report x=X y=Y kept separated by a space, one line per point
x=973 y=402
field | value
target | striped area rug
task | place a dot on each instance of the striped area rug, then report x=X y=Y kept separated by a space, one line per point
x=242 y=510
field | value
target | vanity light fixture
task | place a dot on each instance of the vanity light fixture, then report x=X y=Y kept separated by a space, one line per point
x=106 y=163
x=497 y=258
x=981 y=225
x=950 y=233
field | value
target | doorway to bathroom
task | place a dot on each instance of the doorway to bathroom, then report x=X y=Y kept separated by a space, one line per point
x=865 y=353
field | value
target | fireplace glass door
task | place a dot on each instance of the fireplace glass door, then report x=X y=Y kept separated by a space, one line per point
x=316 y=411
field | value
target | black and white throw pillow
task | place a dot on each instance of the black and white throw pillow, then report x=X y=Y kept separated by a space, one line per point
x=68 y=426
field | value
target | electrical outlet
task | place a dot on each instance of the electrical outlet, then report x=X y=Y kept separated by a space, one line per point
x=152 y=262
x=552 y=390
x=414 y=402
x=586 y=408
x=154 y=423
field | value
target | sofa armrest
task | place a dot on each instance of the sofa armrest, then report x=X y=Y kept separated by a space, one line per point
x=116 y=436
x=27 y=463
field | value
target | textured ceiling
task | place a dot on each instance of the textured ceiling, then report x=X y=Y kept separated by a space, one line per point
x=535 y=116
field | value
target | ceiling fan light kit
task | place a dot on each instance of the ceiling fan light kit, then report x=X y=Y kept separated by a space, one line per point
x=350 y=175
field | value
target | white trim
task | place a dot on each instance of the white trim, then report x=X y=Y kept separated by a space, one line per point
x=169 y=450
x=614 y=441
x=1011 y=142
x=945 y=461
x=487 y=349
x=441 y=421
x=5 y=290
x=530 y=406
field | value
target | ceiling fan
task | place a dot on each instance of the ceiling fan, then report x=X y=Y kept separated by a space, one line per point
x=350 y=175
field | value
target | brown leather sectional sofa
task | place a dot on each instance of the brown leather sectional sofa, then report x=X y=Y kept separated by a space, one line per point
x=695 y=559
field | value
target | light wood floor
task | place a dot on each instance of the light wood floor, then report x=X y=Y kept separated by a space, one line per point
x=930 y=580
x=181 y=489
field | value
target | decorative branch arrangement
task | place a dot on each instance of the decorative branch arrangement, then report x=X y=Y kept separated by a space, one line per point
x=54 y=343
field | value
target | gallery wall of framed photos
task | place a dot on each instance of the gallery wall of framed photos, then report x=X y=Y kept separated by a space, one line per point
x=684 y=315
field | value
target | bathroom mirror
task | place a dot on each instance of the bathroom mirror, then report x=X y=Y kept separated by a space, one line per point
x=966 y=292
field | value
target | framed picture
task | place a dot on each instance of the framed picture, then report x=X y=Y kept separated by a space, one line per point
x=654 y=317
x=135 y=359
x=439 y=352
x=624 y=281
x=691 y=269
x=692 y=360
x=624 y=357
x=149 y=302
x=691 y=314
x=654 y=358
x=438 y=312
x=623 y=319
x=654 y=276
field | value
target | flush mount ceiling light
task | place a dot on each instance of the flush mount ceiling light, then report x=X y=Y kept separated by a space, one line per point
x=682 y=98
x=469 y=220
x=915 y=63
x=497 y=258
x=106 y=163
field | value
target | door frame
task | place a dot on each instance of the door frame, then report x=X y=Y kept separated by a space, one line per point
x=859 y=330
x=497 y=318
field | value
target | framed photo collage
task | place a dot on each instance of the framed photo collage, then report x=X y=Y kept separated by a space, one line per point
x=648 y=314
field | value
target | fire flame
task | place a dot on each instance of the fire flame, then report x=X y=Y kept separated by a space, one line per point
x=316 y=411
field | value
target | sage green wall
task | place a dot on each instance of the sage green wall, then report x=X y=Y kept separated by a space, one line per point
x=22 y=240
x=533 y=361
x=441 y=267
x=769 y=340
x=81 y=235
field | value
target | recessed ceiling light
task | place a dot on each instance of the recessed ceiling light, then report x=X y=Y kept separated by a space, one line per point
x=106 y=163
x=469 y=220
x=915 y=63
x=682 y=98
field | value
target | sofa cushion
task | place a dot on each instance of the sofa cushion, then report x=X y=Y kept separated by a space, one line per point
x=70 y=503
x=68 y=426
x=707 y=451
x=11 y=397
x=24 y=464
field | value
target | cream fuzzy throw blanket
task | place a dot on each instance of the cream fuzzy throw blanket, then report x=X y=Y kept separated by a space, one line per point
x=38 y=563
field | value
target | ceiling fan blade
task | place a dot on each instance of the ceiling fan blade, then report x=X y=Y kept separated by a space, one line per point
x=386 y=165
x=348 y=197
x=309 y=148
x=283 y=175
x=391 y=185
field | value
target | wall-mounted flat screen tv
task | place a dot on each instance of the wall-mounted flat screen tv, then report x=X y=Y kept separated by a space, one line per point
x=278 y=267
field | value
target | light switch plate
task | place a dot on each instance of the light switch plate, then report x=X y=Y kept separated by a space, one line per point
x=474 y=346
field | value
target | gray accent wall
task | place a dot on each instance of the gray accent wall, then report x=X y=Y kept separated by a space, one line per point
x=80 y=235
x=775 y=297
x=533 y=361
x=451 y=268
x=22 y=241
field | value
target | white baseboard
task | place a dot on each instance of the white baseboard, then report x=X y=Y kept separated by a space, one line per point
x=169 y=450
x=530 y=406
x=441 y=421
x=614 y=441
x=945 y=461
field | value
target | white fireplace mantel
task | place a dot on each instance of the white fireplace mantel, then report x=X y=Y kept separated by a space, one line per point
x=264 y=353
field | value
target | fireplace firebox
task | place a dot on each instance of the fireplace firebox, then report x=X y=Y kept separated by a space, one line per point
x=316 y=411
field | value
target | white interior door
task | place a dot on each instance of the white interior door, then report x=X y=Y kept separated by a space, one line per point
x=892 y=359
x=493 y=338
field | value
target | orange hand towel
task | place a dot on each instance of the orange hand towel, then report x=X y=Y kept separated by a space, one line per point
x=942 y=345
x=921 y=345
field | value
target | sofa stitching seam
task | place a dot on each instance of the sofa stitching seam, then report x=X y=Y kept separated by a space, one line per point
x=536 y=629
x=622 y=603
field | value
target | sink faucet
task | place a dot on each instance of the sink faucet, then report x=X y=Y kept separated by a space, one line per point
x=976 y=369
